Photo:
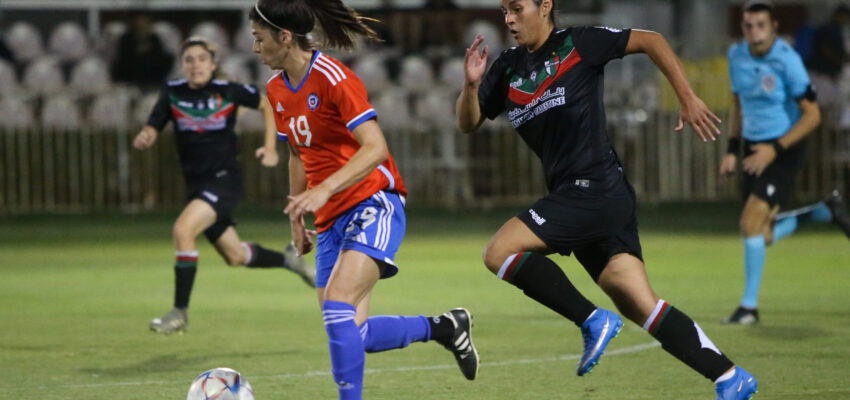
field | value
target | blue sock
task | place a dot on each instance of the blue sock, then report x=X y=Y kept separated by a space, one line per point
x=754 y=256
x=821 y=214
x=346 y=347
x=784 y=227
x=386 y=332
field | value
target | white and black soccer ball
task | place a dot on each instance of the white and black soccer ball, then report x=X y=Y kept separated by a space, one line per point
x=220 y=384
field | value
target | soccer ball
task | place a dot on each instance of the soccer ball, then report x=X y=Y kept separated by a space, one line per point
x=220 y=384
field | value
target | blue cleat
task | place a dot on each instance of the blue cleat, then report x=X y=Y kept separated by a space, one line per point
x=742 y=386
x=597 y=331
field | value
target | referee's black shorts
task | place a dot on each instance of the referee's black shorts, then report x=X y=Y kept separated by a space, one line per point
x=594 y=223
x=776 y=183
x=221 y=191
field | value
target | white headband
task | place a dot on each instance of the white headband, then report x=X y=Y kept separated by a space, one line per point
x=257 y=8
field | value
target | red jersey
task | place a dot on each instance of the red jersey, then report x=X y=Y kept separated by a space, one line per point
x=318 y=117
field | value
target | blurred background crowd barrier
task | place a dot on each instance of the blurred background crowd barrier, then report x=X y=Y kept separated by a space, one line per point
x=77 y=82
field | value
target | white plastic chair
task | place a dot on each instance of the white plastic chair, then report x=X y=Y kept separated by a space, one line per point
x=60 y=112
x=90 y=76
x=107 y=43
x=44 y=76
x=15 y=114
x=8 y=78
x=170 y=36
x=24 y=41
x=416 y=74
x=214 y=33
x=143 y=107
x=243 y=41
x=370 y=68
x=493 y=36
x=392 y=109
x=236 y=68
x=452 y=73
x=110 y=111
x=68 y=42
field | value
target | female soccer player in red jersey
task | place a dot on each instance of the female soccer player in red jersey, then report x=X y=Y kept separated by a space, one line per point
x=341 y=170
x=550 y=87
x=204 y=111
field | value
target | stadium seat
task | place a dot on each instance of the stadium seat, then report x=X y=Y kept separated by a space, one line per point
x=8 y=78
x=436 y=108
x=243 y=41
x=371 y=70
x=144 y=106
x=15 y=114
x=416 y=74
x=493 y=37
x=44 y=76
x=250 y=120
x=170 y=36
x=107 y=43
x=215 y=33
x=25 y=42
x=68 y=42
x=237 y=68
x=90 y=76
x=110 y=111
x=452 y=73
x=60 y=112
x=393 y=109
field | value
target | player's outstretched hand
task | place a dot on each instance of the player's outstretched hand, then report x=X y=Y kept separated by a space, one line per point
x=756 y=163
x=268 y=157
x=727 y=166
x=475 y=63
x=696 y=114
x=144 y=138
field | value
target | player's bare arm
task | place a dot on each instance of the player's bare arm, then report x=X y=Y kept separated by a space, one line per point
x=301 y=236
x=469 y=116
x=373 y=151
x=765 y=153
x=694 y=111
x=268 y=153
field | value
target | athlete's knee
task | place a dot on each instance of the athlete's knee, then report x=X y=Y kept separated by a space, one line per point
x=494 y=256
x=182 y=233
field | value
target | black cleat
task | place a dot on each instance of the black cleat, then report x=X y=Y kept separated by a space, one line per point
x=838 y=208
x=461 y=343
x=743 y=316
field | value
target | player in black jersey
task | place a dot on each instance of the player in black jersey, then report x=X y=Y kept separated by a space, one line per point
x=550 y=87
x=204 y=111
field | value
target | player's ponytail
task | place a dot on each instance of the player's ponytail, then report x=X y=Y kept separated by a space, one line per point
x=340 y=23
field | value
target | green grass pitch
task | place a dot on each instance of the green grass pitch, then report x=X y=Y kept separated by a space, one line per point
x=77 y=293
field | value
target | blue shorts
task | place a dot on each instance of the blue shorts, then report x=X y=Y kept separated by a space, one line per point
x=375 y=227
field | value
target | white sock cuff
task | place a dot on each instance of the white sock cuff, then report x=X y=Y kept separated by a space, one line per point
x=726 y=376
x=654 y=315
x=193 y=253
x=249 y=253
x=505 y=265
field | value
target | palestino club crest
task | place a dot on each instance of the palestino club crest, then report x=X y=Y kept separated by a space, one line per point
x=768 y=83
x=313 y=101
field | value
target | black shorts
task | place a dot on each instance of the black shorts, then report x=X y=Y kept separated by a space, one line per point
x=776 y=183
x=223 y=192
x=593 y=223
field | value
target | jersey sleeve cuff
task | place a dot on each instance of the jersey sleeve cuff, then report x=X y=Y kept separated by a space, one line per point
x=360 y=119
x=282 y=137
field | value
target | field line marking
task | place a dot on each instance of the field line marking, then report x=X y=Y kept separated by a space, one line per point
x=309 y=374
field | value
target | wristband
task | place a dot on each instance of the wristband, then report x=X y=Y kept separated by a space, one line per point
x=734 y=145
x=778 y=147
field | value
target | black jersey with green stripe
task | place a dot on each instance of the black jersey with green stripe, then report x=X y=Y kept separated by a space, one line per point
x=203 y=122
x=553 y=98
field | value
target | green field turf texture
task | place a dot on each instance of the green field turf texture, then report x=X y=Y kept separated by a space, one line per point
x=77 y=293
